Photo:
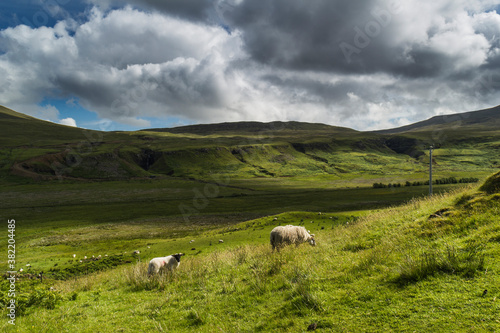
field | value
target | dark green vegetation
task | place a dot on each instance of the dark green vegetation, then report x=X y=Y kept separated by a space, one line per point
x=441 y=181
x=91 y=194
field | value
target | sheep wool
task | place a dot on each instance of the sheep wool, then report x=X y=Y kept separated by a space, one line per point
x=286 y=235
x=169 y=263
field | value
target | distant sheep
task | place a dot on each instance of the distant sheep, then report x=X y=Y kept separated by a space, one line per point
x=221 y=241
x=169 y=263
x=286 y=235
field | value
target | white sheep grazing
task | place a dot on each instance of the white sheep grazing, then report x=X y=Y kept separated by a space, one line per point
x=285 y=235
x=169 y=263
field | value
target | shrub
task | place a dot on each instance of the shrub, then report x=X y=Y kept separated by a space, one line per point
x=39 y=297
x=441 y=181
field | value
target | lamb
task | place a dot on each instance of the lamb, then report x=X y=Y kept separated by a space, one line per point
x=169 y=263
x=285 y=235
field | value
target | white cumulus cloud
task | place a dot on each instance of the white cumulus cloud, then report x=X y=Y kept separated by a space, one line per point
x=68 y=122
x=271 y=60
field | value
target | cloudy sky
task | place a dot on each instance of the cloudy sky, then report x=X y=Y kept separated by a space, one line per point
x=133 y=64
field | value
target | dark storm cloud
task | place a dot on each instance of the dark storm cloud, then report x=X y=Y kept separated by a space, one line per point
x=357 y=37
x=326 y=35
x=296 y=34
x=338 y=36
x=96 y=90
x=313 y=89
x=300 y=35
x=363 y=64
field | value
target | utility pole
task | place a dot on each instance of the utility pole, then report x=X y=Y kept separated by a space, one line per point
x=430 y=170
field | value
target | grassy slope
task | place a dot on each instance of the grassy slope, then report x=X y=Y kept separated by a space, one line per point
x=59 y=219
x=418 y=267
x=488 y=119
x=238 y=150
x=16 y=127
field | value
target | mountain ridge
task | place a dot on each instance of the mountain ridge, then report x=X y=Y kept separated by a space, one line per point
x=489 y=118
x=36 y=149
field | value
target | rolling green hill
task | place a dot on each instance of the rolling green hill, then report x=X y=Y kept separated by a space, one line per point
x=484 y=120
x=18 y=130
x=34 y=150
x=252 y=127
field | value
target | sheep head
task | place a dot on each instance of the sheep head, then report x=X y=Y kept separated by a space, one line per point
x=178 y=256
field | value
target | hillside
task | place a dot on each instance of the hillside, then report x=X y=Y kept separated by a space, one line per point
x=252 y=127
x=243 y=150
x=485 y=120
x=18 y=129
x=429 y=265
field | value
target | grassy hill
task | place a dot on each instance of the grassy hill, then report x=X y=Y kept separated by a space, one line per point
x=429 y=265
x=253 y=127
x=19 y=130
x=485 y=120
x=245 y=150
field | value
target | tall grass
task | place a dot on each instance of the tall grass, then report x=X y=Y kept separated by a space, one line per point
x=466 y=262
x=138 y=279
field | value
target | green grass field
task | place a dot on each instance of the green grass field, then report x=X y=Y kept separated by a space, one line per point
x=387 y=259
x=421 y=266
